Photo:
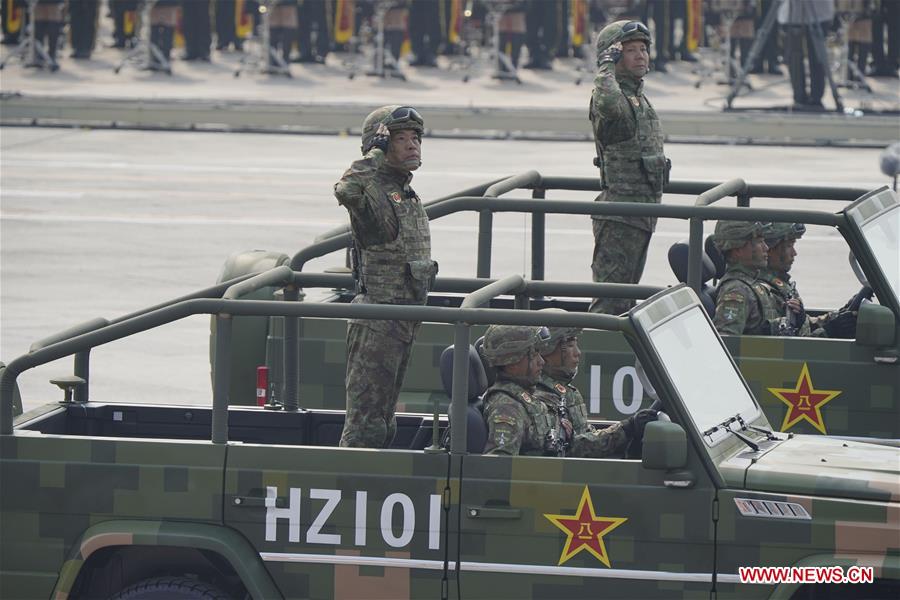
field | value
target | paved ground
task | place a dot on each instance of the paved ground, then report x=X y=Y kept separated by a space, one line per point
x=208 y=94
x=103 y=223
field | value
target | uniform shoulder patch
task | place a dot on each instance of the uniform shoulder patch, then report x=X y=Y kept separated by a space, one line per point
x=396 y=197
x=733 y=297
x=497 y=419
x=526 y=397
x=560 y=388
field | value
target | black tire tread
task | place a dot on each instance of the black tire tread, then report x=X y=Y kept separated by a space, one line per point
x=171 y=588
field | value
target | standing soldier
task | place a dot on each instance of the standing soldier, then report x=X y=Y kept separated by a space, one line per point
x=123 y=14
x=195 y=22
x=83 y=26
x=633 y=168
x=313 y=32
x=525 y=416
x=392 y=265
x=48 y=25
x=780 y=239
x=744 y=303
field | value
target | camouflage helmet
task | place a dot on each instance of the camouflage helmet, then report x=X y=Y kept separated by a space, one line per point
x=622 y=31
x=396 y=117
x=557 y=334
x=508 y=344
x=734 y=234
x=775 y=233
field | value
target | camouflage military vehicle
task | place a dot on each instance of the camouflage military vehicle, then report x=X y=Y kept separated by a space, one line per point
x=117 y=500
x=804 y=385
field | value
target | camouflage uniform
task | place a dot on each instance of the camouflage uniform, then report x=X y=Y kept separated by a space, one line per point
x=744 y=304
x=629 y=143
x=783 y=289
x=393 y=250
x=536 y=419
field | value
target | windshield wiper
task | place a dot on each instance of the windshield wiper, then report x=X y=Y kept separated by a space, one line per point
x=725 y=425
x=770 y=435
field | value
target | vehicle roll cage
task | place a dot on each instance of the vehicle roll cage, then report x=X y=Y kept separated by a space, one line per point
x=220 y=300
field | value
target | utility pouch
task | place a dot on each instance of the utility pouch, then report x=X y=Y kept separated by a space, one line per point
x=421 y=275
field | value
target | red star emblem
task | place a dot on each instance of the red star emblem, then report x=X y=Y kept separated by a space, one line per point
x=585 y=530
x=804 y=402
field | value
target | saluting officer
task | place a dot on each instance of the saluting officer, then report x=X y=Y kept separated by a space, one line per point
x=633 y=168
x=523 y=420
x=392 y=264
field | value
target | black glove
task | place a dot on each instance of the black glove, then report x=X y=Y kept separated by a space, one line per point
x=634 y=425
x=843 y=326
x=611 y=54
x=379 y=140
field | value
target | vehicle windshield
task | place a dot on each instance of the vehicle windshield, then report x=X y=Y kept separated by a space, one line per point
x=878 y=216
x=699 y=367
x=883 y=235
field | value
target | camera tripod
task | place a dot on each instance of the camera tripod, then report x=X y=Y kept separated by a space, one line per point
x=384 y=63
x=30 y=50
x=145 y=55
x=268 y=60
x=503 y=67
x=818 y=46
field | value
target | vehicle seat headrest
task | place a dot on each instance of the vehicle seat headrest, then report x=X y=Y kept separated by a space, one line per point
x=678 y=261
x=478 y=382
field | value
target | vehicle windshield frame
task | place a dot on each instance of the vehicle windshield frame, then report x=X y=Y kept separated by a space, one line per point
x=876 y=216
x=682 y=309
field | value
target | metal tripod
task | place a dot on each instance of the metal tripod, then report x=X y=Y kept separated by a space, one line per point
x=503 y=67
x=30 y=49
x=145 y=55
x=762 y=35
x=384 y=63
x=268 y=60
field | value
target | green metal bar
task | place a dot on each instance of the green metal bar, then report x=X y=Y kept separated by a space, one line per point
x=459 y=403
x=82 y=368
x=695 y=255
x=291 y=394
x=512 y=284
x=71 y=332
x=485 y=241
x=278 y=276
x=220 y=387
x=538 y=237
x=528 y=179
x=731 y=187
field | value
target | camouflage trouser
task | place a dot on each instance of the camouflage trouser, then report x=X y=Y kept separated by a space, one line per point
x=620 y=252
x=376 y=366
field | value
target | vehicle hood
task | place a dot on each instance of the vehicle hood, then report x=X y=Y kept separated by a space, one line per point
x=822 y=466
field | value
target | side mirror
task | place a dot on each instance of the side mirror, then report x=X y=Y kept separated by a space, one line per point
x=875 y=326
x=665 y=446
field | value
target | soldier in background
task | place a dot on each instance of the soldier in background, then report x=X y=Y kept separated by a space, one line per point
x=313 y=31
x=780 y=239
x=425 y=34
x=512 y=27
x=197 y=29
x=48 y=25
x=542 y=22
x=83 y=26
x=660 y=12
x=124 y=22
x=227 y=20
x=12 y=17
x=798 y=19
x=392 y=265
x=526 y=407
x=633 y=168
x=163 y=20
x=283 y=27
x=886 y=19
x=744 y=303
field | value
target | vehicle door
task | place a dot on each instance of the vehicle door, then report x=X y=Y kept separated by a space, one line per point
x=547 y=527
x=341 y=522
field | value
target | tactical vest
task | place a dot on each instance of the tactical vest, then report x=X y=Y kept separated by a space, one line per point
x=569 y=397
x=762 y=293
x=400 y=271
x=780 y=292
x=634 y=169
x=542 y=424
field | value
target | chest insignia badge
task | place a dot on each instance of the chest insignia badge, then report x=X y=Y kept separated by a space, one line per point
x=395 y=196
